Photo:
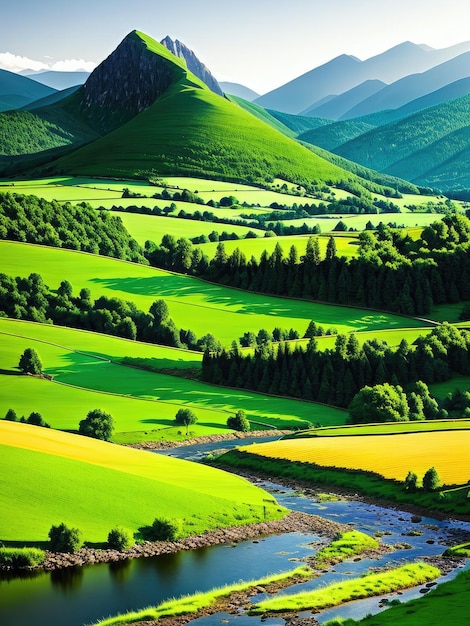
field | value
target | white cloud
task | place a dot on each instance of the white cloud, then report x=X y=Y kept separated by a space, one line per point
x=73 y=65
x=15 y=63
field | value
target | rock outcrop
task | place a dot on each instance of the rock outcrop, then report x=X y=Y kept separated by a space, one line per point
x=125 y=84
x=193 y=64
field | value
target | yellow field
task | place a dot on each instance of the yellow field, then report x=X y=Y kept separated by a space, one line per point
x=391 y=456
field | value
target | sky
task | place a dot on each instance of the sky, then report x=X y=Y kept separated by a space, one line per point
x=261 y=44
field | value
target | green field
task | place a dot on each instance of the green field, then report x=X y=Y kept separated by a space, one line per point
x=445 y=604
x=153 y=227
x=202 y=307
x=143 y=403
x=358 y=222
x=393 y=428
x=345 y=246
x=95 y=190
x=58 y=477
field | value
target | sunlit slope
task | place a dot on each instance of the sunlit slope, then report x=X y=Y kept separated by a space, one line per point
x=204 y=307
x=390 y=456
x=190 y=130
x=50 y=477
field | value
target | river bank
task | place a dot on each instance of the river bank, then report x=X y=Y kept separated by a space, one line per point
x=168 y=445
x=293 y=522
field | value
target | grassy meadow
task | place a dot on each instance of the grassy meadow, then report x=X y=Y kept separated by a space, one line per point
x=445 y=604
x=203 y=307
x=87 y=374
x=388 y=428
x=446 y=450
x=58 y=477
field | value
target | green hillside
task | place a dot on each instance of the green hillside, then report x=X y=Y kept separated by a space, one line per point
x=333 y=135
x=52 y=477
x=414 y=139
x=189 y=130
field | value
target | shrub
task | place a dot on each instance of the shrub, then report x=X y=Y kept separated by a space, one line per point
x=21 y=557
x=431 y=480
x=164 y=529
x=120 y=539
x=97 y=424
x=64 y=539
x=239 y=422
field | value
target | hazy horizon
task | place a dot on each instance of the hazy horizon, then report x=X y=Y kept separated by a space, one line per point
x=261 y=45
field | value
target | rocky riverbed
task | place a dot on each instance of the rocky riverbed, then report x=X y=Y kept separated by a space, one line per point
x=293 y=522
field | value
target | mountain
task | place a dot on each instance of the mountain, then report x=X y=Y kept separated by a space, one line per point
x=17 y=90
x=345 y=72
x=193 y=64
x=413 y=86
x=163 y=120
x=336 y=76
x=336 y=107
x=60 y=80
x=420 y=143
x=54 y=98
x=235 y=89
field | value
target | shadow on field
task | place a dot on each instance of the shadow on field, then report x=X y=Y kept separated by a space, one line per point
x=180 y=287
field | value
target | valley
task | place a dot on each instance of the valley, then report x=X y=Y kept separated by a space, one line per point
x=176 y=266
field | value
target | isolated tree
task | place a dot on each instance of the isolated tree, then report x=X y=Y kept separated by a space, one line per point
x=11 y=415
x=431 y=480
x=411 y=482
x=185 y=417
x=97 y=424
x=30 y=363
x=381 y=403
x=64 y=539
x=239 y=422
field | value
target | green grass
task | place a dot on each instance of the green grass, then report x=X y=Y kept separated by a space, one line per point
x=21 y=557
x=191 y=131
x=462 y=550
x=355 y=589
x=203 y=307
x=358 y=222
x=346 y=246
x=441 y=390
x=445 y=604
x=51 y=477
x=348 y=544
x=191 y=604
x=152 y=227
x=143 y=403
x=384 y=429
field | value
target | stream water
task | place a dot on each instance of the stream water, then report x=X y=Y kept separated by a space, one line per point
x=78 y=596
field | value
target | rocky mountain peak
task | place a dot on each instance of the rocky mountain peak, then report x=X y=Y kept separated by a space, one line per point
x=126 y=83
x=193 y=64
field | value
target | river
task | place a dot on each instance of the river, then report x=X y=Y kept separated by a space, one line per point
x=78 y=596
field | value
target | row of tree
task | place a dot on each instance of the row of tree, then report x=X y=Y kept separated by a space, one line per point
x=76 y=227
x=31 y=299
x=334 y=376
x=392 y=271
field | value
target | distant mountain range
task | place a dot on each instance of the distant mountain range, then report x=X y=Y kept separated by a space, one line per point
x=142 y=113
x=346 y=72
x=155 y=108
x=17 y=91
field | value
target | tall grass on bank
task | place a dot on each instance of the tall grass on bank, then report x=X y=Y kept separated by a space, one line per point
x=355 y=589
x=190 y=604
x=21 y=557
